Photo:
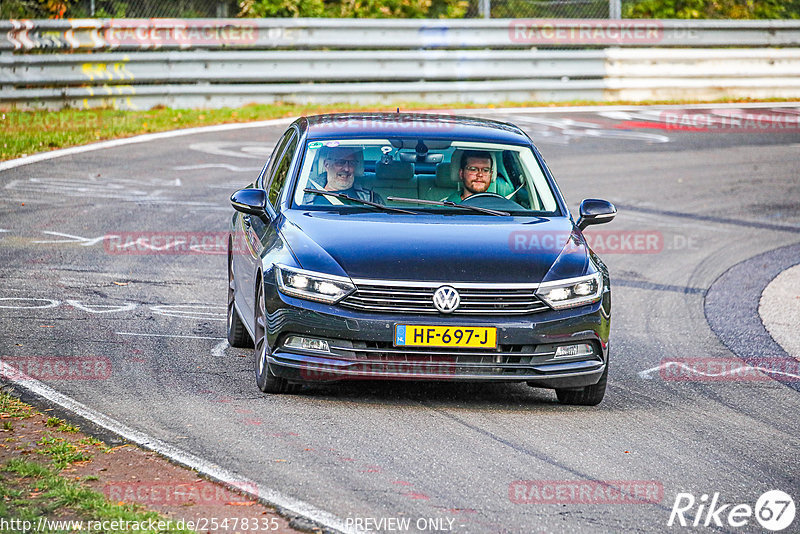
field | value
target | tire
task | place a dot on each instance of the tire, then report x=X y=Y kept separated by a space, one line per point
x=586 y=396
x=265 y=380
x=237 y=334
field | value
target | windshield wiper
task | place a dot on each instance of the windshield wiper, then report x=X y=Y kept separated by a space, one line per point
x=365 y=202
x=450 y=205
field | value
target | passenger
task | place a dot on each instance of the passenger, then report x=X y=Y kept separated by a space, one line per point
x=341 y=165
x=475 y=174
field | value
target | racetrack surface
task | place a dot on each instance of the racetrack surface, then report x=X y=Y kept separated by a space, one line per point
x=704 y=201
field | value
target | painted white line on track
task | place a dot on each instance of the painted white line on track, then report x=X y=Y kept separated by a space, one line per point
x=84 y=241
x=102 y=308
x=739 y=371
x=144 y=334
x=232 y=168
x=209 y=469
x=50 y=303
x=44 y=156
x=219 y=349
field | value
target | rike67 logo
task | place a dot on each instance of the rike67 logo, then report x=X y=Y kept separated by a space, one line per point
x=774 y=510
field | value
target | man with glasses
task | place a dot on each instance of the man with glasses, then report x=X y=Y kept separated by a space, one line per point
x=475 y=174
x=340 y=165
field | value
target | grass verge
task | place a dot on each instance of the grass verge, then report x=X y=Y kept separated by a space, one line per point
x=35 y=494
x=26 y=132
x=38 y=487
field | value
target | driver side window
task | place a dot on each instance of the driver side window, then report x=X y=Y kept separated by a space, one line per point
x=281 y=172
x=263 y=180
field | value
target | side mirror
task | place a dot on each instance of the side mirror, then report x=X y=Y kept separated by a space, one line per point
x=596 y=211
x=250 y=201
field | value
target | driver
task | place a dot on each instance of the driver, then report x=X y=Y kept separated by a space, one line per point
x=340 y=166
x=475 y=174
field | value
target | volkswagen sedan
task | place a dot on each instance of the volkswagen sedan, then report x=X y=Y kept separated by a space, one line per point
x=416 y=247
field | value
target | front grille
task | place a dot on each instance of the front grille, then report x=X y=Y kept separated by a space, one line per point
x=417 y=297
x=506 y=360
x=384 y=351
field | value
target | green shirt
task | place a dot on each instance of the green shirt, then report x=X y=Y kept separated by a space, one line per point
x=500 y=187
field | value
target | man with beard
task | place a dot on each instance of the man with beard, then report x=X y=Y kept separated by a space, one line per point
x=475 y=174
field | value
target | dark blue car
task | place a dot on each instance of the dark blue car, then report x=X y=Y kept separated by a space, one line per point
x=416 y=247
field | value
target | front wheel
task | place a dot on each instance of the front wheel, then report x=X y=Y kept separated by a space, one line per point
x=265 y=380
x=586 y=396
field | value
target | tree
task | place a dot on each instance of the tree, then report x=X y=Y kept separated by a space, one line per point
x=34 y=9
x=713 y=9
x=405 y=9
x=281 y=8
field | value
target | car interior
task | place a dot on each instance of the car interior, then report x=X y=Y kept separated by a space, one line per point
x=432 y=175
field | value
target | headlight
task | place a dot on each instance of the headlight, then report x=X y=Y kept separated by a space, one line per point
x=312 y=286
x=572 y=292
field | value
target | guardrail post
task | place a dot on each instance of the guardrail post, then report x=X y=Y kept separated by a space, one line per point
x=486 y=8
x=615 y=9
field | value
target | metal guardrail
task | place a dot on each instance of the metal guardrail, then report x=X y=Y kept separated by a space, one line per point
x=215 y=79
x=235 y=95
x=143 y=34
x=295 y=66
x=61 y=71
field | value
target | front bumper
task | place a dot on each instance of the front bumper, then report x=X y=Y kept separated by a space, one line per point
x=361 y=346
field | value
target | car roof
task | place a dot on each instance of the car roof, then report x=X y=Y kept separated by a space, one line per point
x=427 y=125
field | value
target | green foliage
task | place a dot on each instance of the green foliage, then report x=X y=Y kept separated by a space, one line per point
x=373 y=9
x=50 y=495
x=62 y=452
x=34 y=9
x=281 y=8
x=11 y=407
x=405 y=9
x=60 y=424
x=452 y=9
x=112 y=10
x=712 y=9
x=587 y=9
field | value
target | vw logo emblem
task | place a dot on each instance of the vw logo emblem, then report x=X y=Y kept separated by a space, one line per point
x=446 y=299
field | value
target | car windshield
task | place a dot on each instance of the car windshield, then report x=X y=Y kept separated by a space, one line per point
x=396 y=172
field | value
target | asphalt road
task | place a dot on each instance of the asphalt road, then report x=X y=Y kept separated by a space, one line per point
x=712 y=199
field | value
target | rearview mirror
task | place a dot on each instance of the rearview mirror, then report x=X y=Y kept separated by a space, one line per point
x=596 y=211
x=250 y=201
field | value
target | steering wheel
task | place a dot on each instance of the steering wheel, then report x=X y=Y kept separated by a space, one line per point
x=486 y=194
x=492 y=201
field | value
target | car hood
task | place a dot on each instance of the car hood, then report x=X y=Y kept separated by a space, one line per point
x=442 y=248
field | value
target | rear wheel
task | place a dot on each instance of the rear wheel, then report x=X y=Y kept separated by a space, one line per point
x=586 y=396
x=237 y=334
x=266 y=381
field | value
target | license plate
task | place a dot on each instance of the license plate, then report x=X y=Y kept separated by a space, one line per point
x=476 y=337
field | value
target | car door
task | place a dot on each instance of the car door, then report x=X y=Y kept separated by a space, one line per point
x=247 y=248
